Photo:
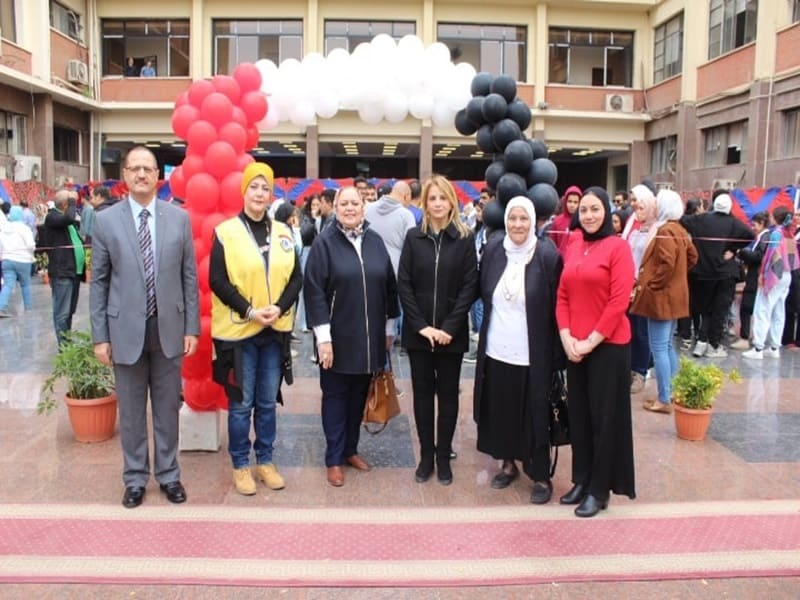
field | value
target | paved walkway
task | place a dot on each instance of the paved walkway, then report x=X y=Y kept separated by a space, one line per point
x=752 y=454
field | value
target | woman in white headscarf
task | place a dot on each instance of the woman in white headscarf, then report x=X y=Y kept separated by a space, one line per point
x=518 y=283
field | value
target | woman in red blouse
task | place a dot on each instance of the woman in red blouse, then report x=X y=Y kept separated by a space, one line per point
x=593 y=295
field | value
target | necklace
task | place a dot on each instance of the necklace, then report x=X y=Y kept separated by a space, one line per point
x=512 y=282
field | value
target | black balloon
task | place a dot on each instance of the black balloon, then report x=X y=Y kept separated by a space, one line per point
x=518 y=157
x=545 y=199
x=520 y=113
x=494 y=215
x=463 y=125
x=505 y=132
x=509 y=186
x=543 y=170
x=494 y=108
x=494 y=172
x=475 y=110
x=505 y=86
x=485 y=138
x=481 y=84
x=539 y=148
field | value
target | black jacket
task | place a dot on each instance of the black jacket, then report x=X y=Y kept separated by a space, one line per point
x=752 y=260
x=56 y=237
x=354 y=295
x=438 y=281
x=308 y=229
x=713 y=234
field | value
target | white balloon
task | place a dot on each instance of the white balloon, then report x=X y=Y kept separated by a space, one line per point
x=371 y=114
x=466 y=72
x=383 y=43
x=420 y=105
x=362 y=51
x=271 y=120
x=269 y=74
x=327 y=104
x=302 y=114
x=410 y=44
x=438 y=53
x=395 y=107
x=442 y=116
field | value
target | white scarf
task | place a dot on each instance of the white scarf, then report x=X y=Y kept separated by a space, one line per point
x=518 y=255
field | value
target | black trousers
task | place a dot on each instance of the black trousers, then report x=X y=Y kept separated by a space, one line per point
x=746 y=312
x=435 y=374
x=712 y=298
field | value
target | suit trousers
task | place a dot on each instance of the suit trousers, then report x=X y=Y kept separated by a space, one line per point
x=435 y=374
x=161 y=377
x=343 y=398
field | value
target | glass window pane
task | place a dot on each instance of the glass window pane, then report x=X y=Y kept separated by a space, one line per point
x=514 y=60
x=401 y=29
x=292 y=27
x=490 y=57
x=113 y=56
x=335 y=28
x=623 y=39
x=380 y=27
x=135 y=28
x=247 y=49
x=179 y=57
x=291 y=47
x=221 y=27
x=269 y=27
x=269 y=47
x=335 y=42
x=180 y=28
x=225 y=55
x=446 y=31
x=245 y=27
x=157 y=28
x=113 y=27
x=558 y=64
x=580 y=38
x=358 y=28
x=491 y=32
x=558 y=36
x=601 y=38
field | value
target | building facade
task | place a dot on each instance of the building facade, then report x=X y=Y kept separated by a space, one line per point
x=690 y=93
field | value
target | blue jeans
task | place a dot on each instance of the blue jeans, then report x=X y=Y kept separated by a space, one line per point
x=261 y=375
x=65 y=301
x=640 y=349
x=476 y=313
x=13 y=272
x=664 y=355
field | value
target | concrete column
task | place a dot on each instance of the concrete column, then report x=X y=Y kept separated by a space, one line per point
x=757 y=135
x=43 y=134
x=312 y=151
x=200 y=61
x=687 y=145
x=426 y=151
x=639 y=167
x=537 y=55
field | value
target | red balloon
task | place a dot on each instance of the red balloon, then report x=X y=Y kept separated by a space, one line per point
x=202 y=193
x=216 y=109
x=225 y=84
x=202 y=277
x=192 y=164
x=183 y=98
x=202 y=245
x=243 y=160
x=248 y=77
x=199 y=90
x=177 y=183
x=254 y=105
x=197 y=366
x=196 y=219
x=203 y=394
x=230 y=193
x=182 y=118
x=252 y=138
x=209 y=223
x=220 y=159
x=239 y=116
x=200 y=136
x=235 y=135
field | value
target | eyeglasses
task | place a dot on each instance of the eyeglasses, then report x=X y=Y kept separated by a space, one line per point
x=146 y=170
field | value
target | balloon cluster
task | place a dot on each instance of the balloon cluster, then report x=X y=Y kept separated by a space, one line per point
x=381 y=80
x=520 y=167
x=217 y=119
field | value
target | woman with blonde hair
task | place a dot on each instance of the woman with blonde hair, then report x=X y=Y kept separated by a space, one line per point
x=437 y=282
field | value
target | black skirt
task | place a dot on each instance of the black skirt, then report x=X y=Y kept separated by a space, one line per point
x=500 y=426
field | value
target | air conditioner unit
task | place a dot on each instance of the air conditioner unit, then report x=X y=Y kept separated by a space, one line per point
x=77 y=72
x=27 y=168
x=724 y=184
x=619 y=103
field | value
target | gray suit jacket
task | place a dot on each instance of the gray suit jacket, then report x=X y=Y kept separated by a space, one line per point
x=118 y=300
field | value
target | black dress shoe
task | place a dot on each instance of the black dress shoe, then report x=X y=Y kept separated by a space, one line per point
x=443 y=471
x=590 y=506
x=503 y=479
x=542 y=492
x=174 y=491
x=424 y=470
x=133 y=496
x=575 y=495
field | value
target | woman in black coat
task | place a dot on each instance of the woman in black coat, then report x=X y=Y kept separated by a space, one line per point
x=518 y=282
x=350 y=293
x=437 y=281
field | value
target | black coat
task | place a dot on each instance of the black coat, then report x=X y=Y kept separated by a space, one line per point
x=544 y=344
x=438 y=281
x=61 y=261
x=355 y=296
x=752 y=260
x=713 y=234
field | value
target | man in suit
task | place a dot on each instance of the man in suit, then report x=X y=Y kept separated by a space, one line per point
x=145 y=319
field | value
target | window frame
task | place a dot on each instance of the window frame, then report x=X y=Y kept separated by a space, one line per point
x=16 y=129
x=795 y=11
x=235 y=36
x=723 y=24
x=343 y=40
x=162 y=70
x=717 y=143
x=791 y=132
x=569 y=39
x=8 y=20
x=60 y=146
x=492 y=36
x=667 y=40
x=660 y=150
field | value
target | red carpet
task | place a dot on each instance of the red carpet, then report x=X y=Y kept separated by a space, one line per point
x=396 y=547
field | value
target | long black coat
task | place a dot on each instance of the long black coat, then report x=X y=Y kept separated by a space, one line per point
x=544 y=345
x=437 y=292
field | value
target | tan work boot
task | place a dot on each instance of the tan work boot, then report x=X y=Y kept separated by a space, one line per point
x=243 y=480
x=269 y=475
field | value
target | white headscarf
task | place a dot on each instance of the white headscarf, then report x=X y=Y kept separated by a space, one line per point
x=670 y=206
x=520 y=254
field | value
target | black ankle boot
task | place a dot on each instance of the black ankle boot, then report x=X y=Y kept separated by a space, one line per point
x=425 y=468
x=575 y=495
x=590 y=506
x=443 y=471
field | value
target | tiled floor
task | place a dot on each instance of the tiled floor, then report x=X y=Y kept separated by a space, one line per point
x=753 y=452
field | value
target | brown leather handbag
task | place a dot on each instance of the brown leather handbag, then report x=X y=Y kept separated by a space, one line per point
x=382 y=402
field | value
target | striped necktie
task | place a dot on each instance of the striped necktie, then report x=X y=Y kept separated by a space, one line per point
x=146 y=246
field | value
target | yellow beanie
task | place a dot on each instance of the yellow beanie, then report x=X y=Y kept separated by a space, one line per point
x=257 y=169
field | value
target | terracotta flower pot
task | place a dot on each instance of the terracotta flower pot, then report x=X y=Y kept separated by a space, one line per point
x=92 y=420
x=691 y=424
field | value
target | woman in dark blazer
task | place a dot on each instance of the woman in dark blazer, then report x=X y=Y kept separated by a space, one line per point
x=351 y=303
x=518 y=283
x=437 y=281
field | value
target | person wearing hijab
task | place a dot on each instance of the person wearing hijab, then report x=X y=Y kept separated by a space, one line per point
x=518 y=282
x=438 y=282
x=561 y=226
x=620 y=218
x=350 y=293
x=16 y=248
x=593 y=296
x=255 y=277
x=661 y=295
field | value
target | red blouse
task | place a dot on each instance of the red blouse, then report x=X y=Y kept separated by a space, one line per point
x=595 y=288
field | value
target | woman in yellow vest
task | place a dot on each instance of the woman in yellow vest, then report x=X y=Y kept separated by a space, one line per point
x=255 y=278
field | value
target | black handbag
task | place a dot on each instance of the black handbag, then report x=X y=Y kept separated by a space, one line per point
x=559 y=413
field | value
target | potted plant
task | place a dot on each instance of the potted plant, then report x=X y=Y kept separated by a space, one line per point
x=91 y=402
x=695 y=388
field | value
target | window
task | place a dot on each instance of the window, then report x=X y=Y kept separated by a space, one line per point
x=13 y=136
x=791 y=129
x=66 y=20
x=496 y=49
x=732 y=23
x=663 y=154
x=668 y=49
x=795 y=11
x=8 y=24
x=66 y=145
x=726 y=144
x=164 y=43
x=601 y=58
x=349 y=34
x=248 y=41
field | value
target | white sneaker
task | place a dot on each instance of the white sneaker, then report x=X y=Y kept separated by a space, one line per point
x=753 y=353
x=700 y=348
x=772 y=352
x=718 y=352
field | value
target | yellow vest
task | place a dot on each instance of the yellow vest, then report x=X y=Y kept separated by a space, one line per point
x=248 y=273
